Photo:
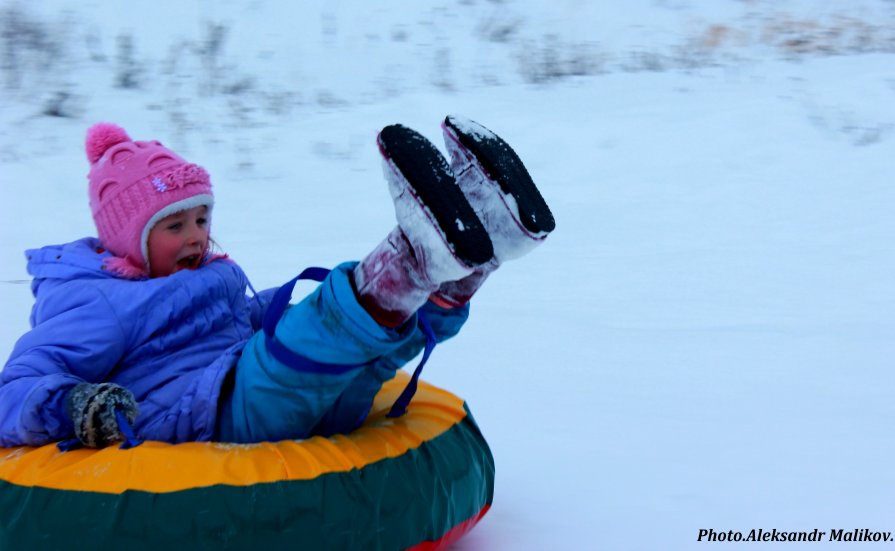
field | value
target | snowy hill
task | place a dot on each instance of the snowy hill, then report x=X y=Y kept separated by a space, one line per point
x=707 y=339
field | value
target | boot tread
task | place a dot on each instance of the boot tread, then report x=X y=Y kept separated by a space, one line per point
x=503 y=165
x=429 y=175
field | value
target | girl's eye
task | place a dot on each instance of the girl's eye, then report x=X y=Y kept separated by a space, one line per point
x=175 y=226
x=201 y=221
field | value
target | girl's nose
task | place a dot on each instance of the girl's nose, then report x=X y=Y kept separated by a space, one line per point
x=196 y=234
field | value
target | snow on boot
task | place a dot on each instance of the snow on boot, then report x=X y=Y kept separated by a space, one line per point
x=439 y=238
x=500 y=190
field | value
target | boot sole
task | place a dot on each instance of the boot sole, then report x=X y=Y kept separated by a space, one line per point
x=502 y=165
x=429 y=177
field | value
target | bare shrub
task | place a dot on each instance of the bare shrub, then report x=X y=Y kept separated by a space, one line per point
x=29 y=47
x=500 y=30
x=62 y=104
x=795 y=37
x=209 y=51
x=441 y=65
x=646 y=62
x=550 y=59
x=127 y=69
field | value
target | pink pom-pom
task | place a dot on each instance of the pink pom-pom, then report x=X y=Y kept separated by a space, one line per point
x=102 y=136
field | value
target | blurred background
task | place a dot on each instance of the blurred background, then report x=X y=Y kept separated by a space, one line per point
x=216 y=66
x=705 y=341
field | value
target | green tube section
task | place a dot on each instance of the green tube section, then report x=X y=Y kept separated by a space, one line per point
x=390 y=504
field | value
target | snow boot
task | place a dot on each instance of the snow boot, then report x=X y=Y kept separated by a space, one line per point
x=439 y=237
x=503 y=195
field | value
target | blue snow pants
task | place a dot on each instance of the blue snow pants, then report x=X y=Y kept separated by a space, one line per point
x=269 y=401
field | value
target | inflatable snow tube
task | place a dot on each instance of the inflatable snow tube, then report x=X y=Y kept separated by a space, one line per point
x=419 y=481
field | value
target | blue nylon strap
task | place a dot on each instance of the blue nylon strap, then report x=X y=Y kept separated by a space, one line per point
x=272 y=317
x=280 y=299
x=289 y=358
x=399 y=408
x=130 y=439
x=69 y=445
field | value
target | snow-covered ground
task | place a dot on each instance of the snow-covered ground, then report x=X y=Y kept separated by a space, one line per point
x=706 y=341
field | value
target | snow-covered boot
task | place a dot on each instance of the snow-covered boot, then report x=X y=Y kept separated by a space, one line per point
x=503 y=195
x=439 y=237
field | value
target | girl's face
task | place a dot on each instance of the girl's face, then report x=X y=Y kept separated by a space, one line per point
x=178 y=242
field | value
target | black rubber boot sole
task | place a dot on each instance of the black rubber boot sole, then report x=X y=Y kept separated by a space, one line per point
x=504 y=166
x=429 y=175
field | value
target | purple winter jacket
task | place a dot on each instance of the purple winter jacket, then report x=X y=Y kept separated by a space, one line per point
x=169 y=340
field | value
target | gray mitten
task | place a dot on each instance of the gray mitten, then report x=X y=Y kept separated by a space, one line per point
x=92 y=410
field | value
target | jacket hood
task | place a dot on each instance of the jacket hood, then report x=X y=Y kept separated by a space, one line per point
x=81 y=259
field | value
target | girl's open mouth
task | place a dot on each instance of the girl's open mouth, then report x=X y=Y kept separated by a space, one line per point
x=189 y=262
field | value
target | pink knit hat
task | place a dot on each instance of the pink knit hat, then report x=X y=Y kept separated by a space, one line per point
x=133 y=185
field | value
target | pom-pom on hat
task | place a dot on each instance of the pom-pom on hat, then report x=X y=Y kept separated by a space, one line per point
x=132 y=185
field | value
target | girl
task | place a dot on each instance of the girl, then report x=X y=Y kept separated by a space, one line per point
x=145 y=327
